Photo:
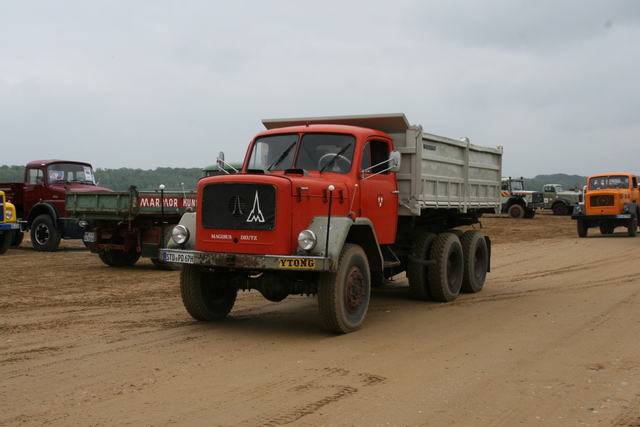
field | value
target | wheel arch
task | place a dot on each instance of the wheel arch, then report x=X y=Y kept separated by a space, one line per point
x=40 y=209
x=345 y=230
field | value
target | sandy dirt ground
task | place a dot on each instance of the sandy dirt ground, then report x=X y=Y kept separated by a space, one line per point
x=552 y=340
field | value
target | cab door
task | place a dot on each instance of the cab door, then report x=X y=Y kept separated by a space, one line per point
x=379 y=190
x=34 y=189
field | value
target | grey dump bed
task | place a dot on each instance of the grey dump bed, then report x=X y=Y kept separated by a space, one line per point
x=436 y=172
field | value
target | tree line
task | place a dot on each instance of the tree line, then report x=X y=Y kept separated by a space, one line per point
x=123 y=178
x=173 y=178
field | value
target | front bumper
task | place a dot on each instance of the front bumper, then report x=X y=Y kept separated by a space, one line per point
x=246 y=261
x=602 y=218
x=8 y=226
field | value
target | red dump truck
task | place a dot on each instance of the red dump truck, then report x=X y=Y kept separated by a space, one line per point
x=332 y=206
x=40 y=201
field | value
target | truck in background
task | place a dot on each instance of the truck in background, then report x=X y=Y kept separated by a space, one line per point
x=332 y=206
x=610 y=201
x=40 y=201
x=559 y=201
x=518 y=202
x=122 y=226
x=8 y=223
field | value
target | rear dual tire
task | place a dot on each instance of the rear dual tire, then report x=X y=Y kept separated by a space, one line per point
x=460 y=265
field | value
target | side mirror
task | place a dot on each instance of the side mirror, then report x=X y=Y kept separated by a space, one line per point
x=394 y=161
x=220 y=161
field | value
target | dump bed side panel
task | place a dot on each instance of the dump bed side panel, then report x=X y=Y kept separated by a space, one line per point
x=442 y=173
x=128 y=204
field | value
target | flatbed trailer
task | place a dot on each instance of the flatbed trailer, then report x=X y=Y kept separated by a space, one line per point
x=122 y=226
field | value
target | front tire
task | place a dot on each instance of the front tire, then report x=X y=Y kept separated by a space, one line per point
x=343 y=296
x=5 y=241
x=17 y=237
x=205 y=294
x=445 y=277
x=476 y=261
x=560 y=209
x=45 y=237
x=632 y=228
x=582 y=228
x=516 y=212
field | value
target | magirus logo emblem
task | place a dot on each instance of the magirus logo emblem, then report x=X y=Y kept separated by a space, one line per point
x=256 y=214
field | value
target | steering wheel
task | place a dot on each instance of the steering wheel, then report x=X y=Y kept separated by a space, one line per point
x=335 y=167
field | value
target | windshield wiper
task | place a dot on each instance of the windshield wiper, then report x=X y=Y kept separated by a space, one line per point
x=334 y=158
x=282 y=156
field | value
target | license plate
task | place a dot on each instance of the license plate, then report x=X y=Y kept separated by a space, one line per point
x=89 y=236
x=296 y=263
x=177 y=257
x=624 y=216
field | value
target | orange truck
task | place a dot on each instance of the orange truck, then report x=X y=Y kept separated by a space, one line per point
x=610 y=201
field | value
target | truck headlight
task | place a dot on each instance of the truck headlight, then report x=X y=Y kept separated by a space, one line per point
x=180 y=234
x=578 y=209
x=626 y=208
x=8 y=215
x=307 y=240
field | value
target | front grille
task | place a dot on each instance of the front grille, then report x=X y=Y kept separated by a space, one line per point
x=238 y=206
x=601 y=200
x=536 y=197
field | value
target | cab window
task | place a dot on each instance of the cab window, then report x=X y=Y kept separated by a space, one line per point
x=35 y=176
x=375 y=157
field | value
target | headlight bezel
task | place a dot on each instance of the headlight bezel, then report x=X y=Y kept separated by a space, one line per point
x=180 y=234
x=307 y=240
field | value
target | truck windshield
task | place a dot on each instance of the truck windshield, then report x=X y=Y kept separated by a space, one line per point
x=313 y=152
x=64 y=173
x=614 y=181
x=517 y=186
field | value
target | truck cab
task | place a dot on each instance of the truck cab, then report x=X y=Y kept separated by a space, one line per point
x=610 y=201
x=40 y=200
x=518 y=202
x=559 y=201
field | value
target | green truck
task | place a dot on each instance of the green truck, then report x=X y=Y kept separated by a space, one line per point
x=122 y=226
x=559 y=201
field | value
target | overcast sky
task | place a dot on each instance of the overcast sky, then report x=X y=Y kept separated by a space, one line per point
x=146 y=84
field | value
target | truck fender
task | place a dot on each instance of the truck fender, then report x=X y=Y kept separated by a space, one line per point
x=345 y=230
x=43 y=208
x=187 y=220
x=631 y=208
